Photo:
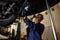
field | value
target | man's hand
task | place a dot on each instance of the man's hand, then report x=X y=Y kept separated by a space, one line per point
x=25 y=17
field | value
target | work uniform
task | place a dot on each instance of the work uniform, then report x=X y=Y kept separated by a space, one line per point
x=34 y=30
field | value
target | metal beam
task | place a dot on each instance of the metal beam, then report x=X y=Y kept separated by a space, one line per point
x=51 y=20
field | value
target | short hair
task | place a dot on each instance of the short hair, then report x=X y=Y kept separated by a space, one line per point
x=41 y=16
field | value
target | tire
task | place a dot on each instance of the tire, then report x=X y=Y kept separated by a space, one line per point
x=8 y=21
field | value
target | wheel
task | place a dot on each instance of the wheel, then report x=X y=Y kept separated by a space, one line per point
x=8 y=21
x=7 y=15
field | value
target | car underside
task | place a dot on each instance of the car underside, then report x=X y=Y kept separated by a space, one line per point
x=11 y=9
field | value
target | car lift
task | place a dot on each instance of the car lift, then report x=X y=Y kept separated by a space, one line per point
x=17 y=37
x=18 y=32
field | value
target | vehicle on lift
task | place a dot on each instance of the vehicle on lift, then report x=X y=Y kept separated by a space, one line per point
x=10 y=10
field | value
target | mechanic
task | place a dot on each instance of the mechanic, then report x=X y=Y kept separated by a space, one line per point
x=35 y=29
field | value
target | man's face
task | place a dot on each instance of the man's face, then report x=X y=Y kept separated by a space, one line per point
x=38 y=18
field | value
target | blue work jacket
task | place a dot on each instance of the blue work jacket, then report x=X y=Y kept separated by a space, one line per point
x=34 y=31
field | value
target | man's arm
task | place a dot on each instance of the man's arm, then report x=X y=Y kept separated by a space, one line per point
x=28 y=22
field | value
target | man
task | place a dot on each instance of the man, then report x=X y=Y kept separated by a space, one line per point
x=35 y=29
